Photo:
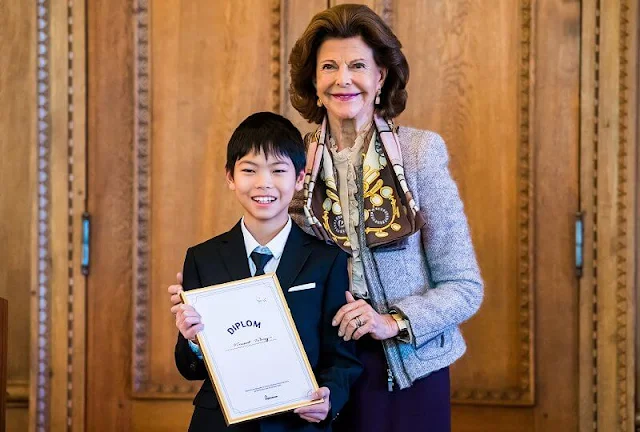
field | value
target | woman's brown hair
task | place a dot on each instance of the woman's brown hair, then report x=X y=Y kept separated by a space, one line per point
x=341 y=22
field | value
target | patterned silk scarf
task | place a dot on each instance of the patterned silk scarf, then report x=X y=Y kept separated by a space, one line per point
x=390 y=213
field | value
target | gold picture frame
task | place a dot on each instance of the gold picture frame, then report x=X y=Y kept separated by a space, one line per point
x=227 y=359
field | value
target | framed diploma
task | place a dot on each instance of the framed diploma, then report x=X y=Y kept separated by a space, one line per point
x=252 y=349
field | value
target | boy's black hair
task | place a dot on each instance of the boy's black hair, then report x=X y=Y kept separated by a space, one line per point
x=270 y=133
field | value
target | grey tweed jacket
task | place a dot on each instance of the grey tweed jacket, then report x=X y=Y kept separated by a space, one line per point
x=431 y=277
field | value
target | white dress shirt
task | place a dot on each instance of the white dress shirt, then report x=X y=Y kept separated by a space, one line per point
x=276 y=246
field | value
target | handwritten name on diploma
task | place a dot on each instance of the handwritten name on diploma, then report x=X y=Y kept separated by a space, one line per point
x=253 y=342
x=248 y=323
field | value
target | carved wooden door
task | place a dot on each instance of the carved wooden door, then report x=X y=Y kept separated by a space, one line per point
x=498 y=80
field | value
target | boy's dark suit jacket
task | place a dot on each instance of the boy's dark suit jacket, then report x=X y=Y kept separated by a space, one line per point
x=304 y=260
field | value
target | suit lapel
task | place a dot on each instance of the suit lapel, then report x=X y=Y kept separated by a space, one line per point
x=294 y=255
x=234 y=254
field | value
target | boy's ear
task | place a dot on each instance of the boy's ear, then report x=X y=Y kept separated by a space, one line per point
x=300 y=181
x=230 y=181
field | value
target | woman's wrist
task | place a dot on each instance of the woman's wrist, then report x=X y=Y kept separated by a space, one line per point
x=392 y=324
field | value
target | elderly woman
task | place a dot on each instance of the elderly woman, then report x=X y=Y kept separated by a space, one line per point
x=383 y=194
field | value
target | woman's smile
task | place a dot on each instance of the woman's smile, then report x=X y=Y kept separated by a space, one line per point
x=345 y=97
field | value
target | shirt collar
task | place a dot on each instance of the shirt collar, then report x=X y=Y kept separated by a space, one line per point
x=276 y=245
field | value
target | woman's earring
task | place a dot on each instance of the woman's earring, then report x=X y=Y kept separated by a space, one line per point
x=319 y=103
x=377 y=101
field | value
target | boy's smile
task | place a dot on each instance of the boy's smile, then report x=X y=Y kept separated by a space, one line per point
x=264 y=199
x=264 y=186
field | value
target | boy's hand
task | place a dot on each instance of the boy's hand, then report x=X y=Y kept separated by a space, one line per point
x=317 y=412
x=175 y=290
x=188 y=322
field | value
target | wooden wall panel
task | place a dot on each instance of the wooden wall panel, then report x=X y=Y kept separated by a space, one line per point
x=17 y=135
x=56 y=366
x=384 y=8
x=296 y=15
x=207 y=73
x=470 y=83
x=17 y=418
x=609 y=170
x=555 y=127
x=151 y=415
x=110 y=185
x=59 y=302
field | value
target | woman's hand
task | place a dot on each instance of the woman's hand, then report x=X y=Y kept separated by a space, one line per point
x=317 y=412
x=175 y=290
x=188 y=322
x=357 y=318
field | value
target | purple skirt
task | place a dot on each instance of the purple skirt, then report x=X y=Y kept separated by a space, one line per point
x=423 y=407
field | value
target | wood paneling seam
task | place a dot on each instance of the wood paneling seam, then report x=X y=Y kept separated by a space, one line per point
x=596 y=120
x=622 y=208
x=70 y=217
x=42 y=352
x=141 y=228
x=526 y=193
x=275 y=54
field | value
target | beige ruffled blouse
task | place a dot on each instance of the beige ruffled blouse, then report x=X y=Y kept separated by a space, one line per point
x=345 y=163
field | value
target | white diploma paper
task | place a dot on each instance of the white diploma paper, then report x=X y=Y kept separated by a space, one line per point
x=252 y=349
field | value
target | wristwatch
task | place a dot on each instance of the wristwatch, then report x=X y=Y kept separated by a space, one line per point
x=403 y=327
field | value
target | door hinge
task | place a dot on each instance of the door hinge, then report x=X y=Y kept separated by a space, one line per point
x=86 y=242
x=579 y=243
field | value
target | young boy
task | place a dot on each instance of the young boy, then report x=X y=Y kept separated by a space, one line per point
x=265 y=167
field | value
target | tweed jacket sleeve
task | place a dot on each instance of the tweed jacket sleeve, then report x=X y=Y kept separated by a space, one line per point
x=456 y=287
